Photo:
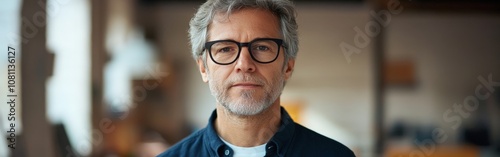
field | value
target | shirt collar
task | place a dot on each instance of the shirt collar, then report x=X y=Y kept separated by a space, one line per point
x=212 y=140
x=283 y=137
x=280 y=140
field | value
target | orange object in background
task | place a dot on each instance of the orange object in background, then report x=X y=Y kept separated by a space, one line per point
x=294 y=109
x=399 y=72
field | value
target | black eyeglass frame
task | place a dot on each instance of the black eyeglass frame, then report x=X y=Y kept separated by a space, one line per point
x=279 y=42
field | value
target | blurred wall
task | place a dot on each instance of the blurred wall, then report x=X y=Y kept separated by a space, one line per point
x=450 y=52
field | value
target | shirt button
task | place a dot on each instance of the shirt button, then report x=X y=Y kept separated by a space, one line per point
x=226 y=152
x=270 y=147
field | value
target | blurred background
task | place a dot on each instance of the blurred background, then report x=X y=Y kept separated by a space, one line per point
x=390 y=78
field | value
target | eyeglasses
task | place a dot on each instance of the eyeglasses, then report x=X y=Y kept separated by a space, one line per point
x=262 y=50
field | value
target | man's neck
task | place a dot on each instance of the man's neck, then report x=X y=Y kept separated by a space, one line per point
x=248 y=131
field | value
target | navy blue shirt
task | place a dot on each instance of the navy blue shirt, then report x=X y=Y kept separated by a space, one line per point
x=290 y=140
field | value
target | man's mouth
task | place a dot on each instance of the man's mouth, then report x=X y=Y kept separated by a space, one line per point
x=246 y=85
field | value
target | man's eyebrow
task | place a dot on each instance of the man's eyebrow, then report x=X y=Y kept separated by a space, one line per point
x=259 y=37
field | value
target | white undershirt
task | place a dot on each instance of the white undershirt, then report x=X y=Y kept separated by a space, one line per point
x=257 y=151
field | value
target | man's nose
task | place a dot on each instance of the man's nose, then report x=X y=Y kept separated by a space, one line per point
x=245 y=63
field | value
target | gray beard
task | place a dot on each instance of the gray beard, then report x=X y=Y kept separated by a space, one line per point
x=246 y=105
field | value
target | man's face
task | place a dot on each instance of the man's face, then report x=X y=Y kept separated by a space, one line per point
x=246 y=87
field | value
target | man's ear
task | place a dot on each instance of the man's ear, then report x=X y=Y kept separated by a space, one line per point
x=203 y=70
x=289 y=68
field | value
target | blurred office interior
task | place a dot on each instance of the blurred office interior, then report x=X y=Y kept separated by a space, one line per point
x=417 y=78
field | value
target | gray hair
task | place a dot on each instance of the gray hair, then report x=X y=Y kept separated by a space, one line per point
x=283 y=9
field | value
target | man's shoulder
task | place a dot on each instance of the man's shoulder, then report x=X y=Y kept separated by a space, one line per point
x=315 y=143
x=185 y=147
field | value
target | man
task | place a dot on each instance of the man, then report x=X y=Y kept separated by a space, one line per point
x=245 y=50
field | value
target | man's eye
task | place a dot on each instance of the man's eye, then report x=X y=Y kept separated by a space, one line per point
x=262 y=48
x=225 y=49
